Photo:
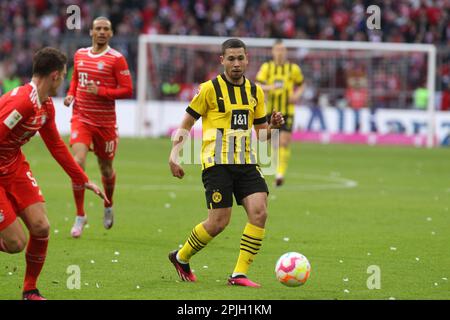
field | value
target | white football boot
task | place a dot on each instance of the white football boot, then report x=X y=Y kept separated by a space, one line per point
x=78 y=226
x=108 y=217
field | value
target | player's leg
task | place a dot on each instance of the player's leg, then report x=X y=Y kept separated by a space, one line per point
x=79 y=151
x=35 y=218
x=27 y=200
x=12 y=236
x=80 y=142
x=284 y=156
x=251 y=192
x=218 y=192
x=200 y=236
x=204 y=232
x=109 y=183
x=105 y=146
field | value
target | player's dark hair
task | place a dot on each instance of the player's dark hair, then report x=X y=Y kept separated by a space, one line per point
x=47 y=60
x=233 y=43
x=100 y=18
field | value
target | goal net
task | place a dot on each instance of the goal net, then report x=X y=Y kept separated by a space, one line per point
x=361 y=92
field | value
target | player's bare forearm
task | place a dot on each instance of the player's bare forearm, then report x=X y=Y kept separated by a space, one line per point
x=177 y=144
x=297 y=94
x=276 y=121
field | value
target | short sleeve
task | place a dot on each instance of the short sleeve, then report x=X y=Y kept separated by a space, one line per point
x=260 y=110
x=199 y=104
x=263 y=73
x=297 y=75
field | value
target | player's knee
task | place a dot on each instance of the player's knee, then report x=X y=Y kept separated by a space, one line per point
x=106 y=170
x=217 y=225
x=260 y=215
x=221 y=225
x=40 y=228
x=15 y=245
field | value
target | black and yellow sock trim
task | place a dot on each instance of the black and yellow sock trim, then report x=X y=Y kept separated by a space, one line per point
x=197 y=240
x=250 y=244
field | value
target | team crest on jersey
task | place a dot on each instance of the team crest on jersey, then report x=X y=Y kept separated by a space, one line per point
x=13 y=119
x=253 y=102
x=43 y=119
x=80 y=64
x=216 y=197
x=100 y=65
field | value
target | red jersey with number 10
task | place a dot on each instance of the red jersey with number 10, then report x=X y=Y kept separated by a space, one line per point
x=109 y=71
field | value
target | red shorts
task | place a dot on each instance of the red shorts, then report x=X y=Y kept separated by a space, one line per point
x=102 y=140
x=18 y=191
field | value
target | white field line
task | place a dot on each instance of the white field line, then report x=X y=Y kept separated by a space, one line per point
x=313 y=182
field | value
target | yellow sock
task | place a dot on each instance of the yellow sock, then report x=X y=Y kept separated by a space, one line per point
x=285 y=154
x=250 y=243
x=198 y=239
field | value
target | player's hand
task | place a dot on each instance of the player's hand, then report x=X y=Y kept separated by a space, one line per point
x=93 y=187
x=176 y=169
x=92 y=87
x=276 y=120
x=68 y=100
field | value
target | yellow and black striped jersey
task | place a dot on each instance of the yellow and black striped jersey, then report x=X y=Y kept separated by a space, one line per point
x=285 y=77
x=228 y=113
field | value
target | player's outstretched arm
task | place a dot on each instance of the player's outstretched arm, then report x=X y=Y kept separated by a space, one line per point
x=178 y=141
x=98 y=191
x=295 y=97
x=61 y=154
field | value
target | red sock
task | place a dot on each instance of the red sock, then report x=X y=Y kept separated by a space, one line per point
x=108 y=185
x=3 y=246
x=78 y=194
x=35 y=258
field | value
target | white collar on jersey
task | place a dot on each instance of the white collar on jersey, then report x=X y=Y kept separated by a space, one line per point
x=90 y=54
x=36 y=93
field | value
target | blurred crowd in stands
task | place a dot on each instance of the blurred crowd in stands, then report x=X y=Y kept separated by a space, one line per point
x=26 y=25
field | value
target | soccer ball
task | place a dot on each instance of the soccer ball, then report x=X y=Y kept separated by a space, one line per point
x=292 y=269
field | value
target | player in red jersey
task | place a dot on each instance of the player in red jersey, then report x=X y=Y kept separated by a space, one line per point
x=100 y=76
x=24 y=111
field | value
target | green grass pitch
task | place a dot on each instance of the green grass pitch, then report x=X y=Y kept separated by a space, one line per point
x=346 y=208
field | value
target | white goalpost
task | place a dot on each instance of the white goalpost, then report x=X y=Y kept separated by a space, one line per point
x=170 y=61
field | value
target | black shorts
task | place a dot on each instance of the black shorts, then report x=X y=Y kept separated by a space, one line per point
x=222 y=181
x=288 y=122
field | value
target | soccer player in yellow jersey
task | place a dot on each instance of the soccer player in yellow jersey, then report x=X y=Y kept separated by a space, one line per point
x=282 y=81
x=230 y=105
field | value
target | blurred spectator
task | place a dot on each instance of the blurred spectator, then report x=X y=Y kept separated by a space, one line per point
x=318 y=101
x=421 y=98
x=445 y=98
x=10 y=80
x=357 y=94
x=26 y=25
